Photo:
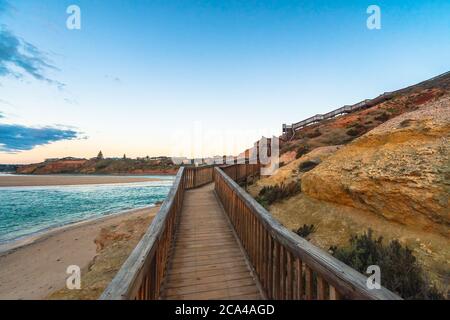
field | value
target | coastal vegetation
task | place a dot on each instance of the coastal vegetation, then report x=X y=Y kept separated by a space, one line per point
x=271 y=194
x=308 y=165
x=301 y=151
x=400 y=270
x=306 y=230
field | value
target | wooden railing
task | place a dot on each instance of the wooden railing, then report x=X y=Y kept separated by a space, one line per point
x=287 y=266
x=198 y=176
x=240 y=172
x=289 y=130
x=141 y=276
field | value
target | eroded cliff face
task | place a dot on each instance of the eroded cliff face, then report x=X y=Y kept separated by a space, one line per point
x=400 y=170
x=94 y=166
x=60 y=166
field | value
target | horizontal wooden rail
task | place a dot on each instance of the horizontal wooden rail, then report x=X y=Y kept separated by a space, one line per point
x=289 y=130
x=240 y=172
x=288 y=267
x=198 y=176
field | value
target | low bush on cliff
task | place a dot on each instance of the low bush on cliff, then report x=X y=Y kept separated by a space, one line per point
x=314 y=134
x=400 y=271
x=287 y=148
x=382 y=117
x=302 y=150
x=357 y=130
x=308 y=165
x=271 y=194
x=306 y=230
x=102 y=164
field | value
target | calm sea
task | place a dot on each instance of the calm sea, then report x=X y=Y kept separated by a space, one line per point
x=28 y=210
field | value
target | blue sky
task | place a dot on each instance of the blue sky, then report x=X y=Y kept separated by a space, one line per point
x=141 y=74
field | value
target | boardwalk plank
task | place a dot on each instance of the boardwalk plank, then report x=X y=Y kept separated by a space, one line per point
x=189 y=281
x=206 y=260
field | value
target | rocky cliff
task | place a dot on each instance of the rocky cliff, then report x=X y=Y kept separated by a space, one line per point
x=101 y=166
x=344 y=129
x=386 y=168
x=48 y=167
x=400 y=170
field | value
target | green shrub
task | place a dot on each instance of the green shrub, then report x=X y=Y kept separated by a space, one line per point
x=308 y=165
x=392 y=110
x=352 y=125
x=316 y=133
x=400 y=271
x=287 y=148
x=357 y=130
x=302 y=150
x=271 y=194
x=102 y=164
x=306 y=230
x=382 y=117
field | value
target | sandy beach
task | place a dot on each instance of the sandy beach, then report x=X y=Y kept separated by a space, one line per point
x=38 y=266
x=63 y=180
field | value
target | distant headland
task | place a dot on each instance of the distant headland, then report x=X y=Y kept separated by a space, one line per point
x=98 y=165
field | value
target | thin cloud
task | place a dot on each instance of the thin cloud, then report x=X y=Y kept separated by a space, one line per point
x=16 y=138
x=113 y=78
x=19 y=57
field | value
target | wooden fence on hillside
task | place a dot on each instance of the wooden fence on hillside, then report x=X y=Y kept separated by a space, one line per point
x=288 y=131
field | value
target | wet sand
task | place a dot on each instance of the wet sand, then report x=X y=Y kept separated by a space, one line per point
x=64 y=180
x=36 y=267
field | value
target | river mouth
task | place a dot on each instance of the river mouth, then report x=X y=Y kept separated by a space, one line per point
x=30 y=210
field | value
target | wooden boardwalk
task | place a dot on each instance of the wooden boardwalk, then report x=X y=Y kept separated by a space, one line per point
x=212 y=240
x=206 y=260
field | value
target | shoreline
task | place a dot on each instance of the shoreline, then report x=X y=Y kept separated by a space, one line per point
x=34 y=267
x=117 y=174
x=42 y=235
x=19 y=180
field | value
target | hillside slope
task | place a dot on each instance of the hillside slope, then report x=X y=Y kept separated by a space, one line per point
x=386 y=168
x=400 y=170
x=344 y=129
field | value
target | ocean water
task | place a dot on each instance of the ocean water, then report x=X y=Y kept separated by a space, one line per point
x=28 y=210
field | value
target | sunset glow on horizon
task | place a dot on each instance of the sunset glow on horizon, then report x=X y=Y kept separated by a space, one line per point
x=171 y=78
